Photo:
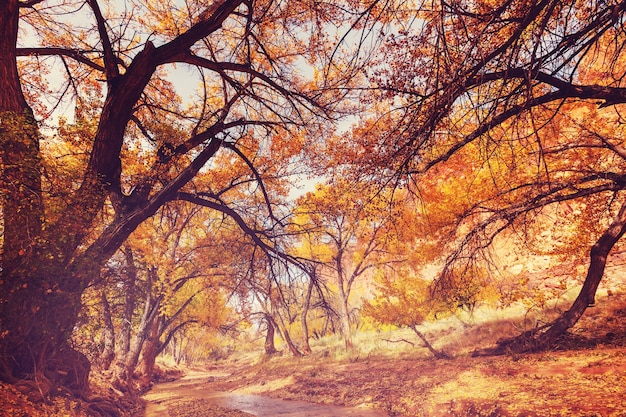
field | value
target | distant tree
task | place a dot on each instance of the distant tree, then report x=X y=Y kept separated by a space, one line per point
x=403 y=300
x=350 y=229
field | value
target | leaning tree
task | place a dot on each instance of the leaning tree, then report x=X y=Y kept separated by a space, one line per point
x=73 y=189
x=525 y=94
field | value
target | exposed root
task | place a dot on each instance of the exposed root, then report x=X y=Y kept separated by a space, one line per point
x=527 y=342
x=36 y=390
x=535 y=340
x=103 y=408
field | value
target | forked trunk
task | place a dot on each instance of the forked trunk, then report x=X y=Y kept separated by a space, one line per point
x=270 y=348
x=547 y=336
x=124 y=376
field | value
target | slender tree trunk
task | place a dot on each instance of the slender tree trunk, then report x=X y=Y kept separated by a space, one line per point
x=436 y=353
x=346 y=328
x=176 y=348
x=292 y=346
x=545 y=337
x=141 y=336
x=130 y=301
x=306 y=349
x=280 y=325
x=344 y=309
x=124 y=372
x=108 y=334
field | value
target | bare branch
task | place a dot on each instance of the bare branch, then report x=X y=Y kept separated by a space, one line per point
x=77 y=55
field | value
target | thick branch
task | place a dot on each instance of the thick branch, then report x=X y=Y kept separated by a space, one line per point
x=223 y=208
x=76 y=54
x=116 y=233
x=110 y=62
x=610 y=95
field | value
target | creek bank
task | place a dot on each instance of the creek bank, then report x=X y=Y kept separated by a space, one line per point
x=192 y=396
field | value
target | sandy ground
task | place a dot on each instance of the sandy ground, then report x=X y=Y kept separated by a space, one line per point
x=193 y=396
x=587 y=380
x=590 y=382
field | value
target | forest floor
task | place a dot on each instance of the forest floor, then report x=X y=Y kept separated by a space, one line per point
x=390 y=373
x=586 y=377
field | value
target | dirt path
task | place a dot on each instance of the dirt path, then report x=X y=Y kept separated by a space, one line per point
x=191 y=397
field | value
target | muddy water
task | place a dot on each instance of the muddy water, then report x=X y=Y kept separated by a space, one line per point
x=181 y=398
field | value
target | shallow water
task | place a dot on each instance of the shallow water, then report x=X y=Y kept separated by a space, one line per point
x=172 y=394
x=265 y=406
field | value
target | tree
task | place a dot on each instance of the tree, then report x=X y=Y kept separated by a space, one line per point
x=406 y=301
x=266 y=285
x=351 y=229
x=140 y=145
x=529 y=93
x=167 y=279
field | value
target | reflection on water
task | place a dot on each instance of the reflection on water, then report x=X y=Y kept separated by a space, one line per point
x=264 y=406
x=192 y=387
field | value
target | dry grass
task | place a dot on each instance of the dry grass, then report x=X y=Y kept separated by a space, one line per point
x=390 y=371
x=383 y=372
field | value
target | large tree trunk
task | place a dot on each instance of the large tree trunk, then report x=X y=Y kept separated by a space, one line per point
x=270 y=347
x=44 y=270
x=149 y=353
x=39 y=303
x=545 y=337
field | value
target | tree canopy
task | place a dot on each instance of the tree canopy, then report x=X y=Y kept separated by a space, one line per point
x=436 y=126
x=134 y=144
x=519 y=100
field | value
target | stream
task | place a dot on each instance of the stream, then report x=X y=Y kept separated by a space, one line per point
x=188 y=397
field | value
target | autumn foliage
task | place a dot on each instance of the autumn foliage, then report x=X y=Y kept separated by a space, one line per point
x=152 y=152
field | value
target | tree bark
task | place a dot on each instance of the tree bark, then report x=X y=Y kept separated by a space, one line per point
x=108 y=334
x=547 y=336
x=130 y=301
x=306 y=347
x=346 y=328
x=292 y=346
x=282 y=329
x=38 y=305
x=124 y=371
x=149 y=353
x=44 y=270
x=344 y=295
x=270 y=348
